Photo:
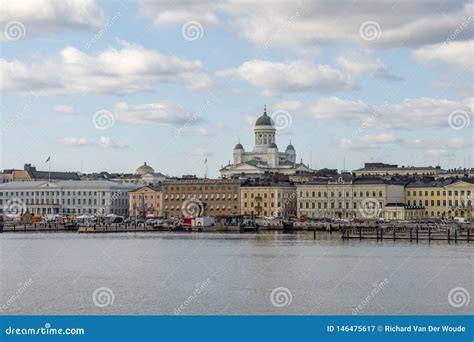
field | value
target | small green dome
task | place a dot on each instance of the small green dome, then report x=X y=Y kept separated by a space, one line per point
x=264 y=120
x=290 y=147
x=273 y=145
x=144 y=169
x=238 y=147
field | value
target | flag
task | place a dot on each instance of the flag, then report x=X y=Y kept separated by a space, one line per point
x=47 y=160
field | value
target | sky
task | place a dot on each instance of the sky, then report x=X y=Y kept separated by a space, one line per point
x=107 y=85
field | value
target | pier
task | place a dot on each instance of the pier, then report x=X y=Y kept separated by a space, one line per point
x=412 y=234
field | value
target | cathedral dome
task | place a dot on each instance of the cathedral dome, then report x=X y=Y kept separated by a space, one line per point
x=264 y=120
x=144 y=169
x=273 y=145
x=238 y=147
x=290 y=147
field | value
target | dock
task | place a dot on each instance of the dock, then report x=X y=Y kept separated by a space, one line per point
x=411 y=234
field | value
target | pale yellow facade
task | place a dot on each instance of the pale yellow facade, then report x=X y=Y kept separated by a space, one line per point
x=145 y=202
x=443 y=201
x=347 y=200
x=271 y=200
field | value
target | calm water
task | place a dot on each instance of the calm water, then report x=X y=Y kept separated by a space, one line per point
x=169 y=273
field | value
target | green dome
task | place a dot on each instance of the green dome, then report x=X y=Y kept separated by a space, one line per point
x=290 y=147
x=238 y=147
x=273 y=145
x=264 y=120
x=144 y=169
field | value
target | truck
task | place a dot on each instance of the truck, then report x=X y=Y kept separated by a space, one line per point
x=189 y=223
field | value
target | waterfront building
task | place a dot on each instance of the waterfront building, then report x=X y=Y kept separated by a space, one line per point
x=146 y=201
x=262 y=198
x=201 y=197
x=442 y=198
x=65 y=197
x=381 y=169
x=265 y=156
x=347 y=197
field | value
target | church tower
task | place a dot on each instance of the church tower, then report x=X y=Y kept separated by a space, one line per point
x=264 y=133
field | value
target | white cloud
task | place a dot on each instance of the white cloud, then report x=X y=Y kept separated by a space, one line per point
x=41 y=16
x=160 y=112
x=63 y=109
x=73 y=141
x=409 y=114
x=129 y=69
x=439 y=152
x=367 y=141
x=358 y=64
x=107 y=142
x=104 y=142
x=304 y=24
x=459 y=54
x=276 y=77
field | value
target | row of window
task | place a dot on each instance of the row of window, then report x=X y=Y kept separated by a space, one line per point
x=210 y=207
x=58 y=193
x=431 y=203
x=340 y=205
x=265 y=195
x=339 y=194
x=438 y=193
x=201 y=196
x=206 y=187
x=264 y=204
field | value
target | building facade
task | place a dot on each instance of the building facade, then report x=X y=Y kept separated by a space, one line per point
x=347 y=197
x=146 y=201
x=442 y=198
x=265 y=156
x=65 y=198
x=201 y=197
x=275 y=199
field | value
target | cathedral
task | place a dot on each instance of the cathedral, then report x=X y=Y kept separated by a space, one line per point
x=265 y=156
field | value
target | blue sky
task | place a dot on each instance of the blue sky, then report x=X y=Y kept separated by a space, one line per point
x=111 y=84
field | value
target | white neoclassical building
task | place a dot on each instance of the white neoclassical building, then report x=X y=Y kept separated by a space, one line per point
x=265 y=156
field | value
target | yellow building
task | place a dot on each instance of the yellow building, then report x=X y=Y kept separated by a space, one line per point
x=146 y=202
x=460 y=199
x=347 y=197
x=442 y=198
x=268 y=199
